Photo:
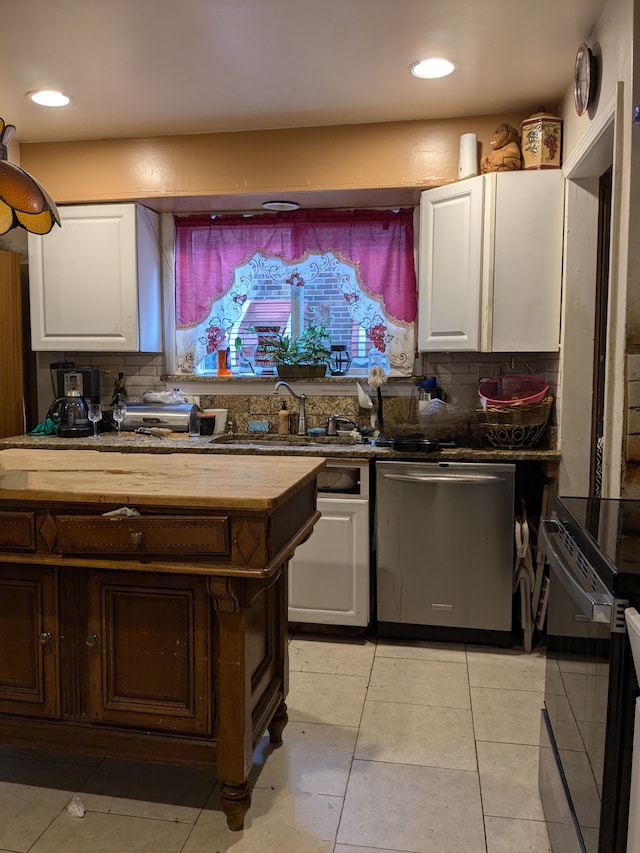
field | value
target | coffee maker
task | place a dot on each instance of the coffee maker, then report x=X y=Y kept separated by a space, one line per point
x=65 y=378
x=71 y=414
x=73 y=389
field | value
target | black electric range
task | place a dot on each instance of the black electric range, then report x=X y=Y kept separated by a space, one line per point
x=592 y=546
x=607 y=531
x=414 y=443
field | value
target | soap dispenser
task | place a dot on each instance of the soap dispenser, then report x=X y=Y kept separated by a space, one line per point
x=283 y=419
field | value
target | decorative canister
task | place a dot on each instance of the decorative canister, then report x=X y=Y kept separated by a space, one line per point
x=541 y=141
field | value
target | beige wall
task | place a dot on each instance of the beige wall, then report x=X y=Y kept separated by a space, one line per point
x=351 y=165
x=611 y=43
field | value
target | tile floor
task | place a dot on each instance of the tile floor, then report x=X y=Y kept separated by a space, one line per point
x=420 y=747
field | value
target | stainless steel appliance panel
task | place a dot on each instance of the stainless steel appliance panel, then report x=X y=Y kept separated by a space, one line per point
x=444 y=544
x=587 y=719
x=563 y=832
x=179 y=417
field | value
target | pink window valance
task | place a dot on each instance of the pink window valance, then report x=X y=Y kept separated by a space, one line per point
x=378 y=242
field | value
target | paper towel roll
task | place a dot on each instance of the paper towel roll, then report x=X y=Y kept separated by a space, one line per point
x=468 y=163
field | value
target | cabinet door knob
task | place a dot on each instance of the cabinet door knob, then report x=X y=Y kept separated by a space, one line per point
x=91 y=640
x=137 y=538
x=45 y=637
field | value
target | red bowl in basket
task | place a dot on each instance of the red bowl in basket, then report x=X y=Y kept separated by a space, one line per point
x=513 y=389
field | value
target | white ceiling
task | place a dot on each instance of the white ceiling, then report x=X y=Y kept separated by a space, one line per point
x=155 y=67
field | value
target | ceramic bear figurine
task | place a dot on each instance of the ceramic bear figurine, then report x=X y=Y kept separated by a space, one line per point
x=506 y=155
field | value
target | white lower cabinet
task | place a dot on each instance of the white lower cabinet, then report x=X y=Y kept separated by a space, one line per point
x=329 y=573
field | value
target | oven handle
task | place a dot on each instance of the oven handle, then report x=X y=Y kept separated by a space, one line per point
x=596 y=606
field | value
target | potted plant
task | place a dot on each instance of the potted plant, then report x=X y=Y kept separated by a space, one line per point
x=305 y=356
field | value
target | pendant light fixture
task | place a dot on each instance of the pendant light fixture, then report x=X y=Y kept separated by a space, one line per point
x=23 y=202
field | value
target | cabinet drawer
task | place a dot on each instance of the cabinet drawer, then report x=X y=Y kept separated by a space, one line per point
x=160 y=534
x=18 y=530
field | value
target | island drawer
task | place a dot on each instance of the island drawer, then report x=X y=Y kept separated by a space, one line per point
x=159 y=534
x=18 y=530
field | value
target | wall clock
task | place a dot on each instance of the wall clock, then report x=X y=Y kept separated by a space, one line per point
x=584 y=79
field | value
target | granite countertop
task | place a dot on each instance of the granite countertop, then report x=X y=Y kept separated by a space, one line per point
x=129 y=442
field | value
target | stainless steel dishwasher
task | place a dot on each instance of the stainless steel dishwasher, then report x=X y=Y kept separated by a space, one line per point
x=444 y=550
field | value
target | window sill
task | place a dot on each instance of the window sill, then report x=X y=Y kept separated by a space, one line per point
x=269 y=380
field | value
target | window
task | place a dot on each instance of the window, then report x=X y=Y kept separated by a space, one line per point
x=239 y=277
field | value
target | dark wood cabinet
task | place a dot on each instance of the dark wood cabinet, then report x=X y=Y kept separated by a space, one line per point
x=12 y=420
x=158 y=633
x=136 y=653
x=28 y=641
x=149 y=655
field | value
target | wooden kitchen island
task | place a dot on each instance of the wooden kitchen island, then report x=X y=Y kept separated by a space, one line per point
x=143 y=604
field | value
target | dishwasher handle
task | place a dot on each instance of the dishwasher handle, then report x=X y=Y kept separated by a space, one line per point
x=445 y=478
x=597 y=607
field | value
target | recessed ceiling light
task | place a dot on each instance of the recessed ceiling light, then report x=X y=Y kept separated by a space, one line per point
x=49 y=98
x=281 y=205
x=429 y=69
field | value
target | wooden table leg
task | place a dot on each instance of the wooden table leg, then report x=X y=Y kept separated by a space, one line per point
x=235 y=801
x=277 y=724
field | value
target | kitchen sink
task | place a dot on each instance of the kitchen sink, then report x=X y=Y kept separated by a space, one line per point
x=275 y=440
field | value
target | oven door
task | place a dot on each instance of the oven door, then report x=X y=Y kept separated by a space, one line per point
x=574 y=728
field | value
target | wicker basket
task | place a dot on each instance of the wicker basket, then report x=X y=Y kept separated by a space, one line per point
x=443 y=429
x=512 y=426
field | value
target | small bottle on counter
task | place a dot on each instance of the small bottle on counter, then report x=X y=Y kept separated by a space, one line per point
x=224 y=358
x=283 y=419
x=119 y=390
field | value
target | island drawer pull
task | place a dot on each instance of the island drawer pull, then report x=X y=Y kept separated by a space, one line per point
x=92 y=640
x=164 y=534
x=45 y=637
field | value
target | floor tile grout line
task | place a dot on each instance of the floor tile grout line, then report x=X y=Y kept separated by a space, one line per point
x=48 y=827
x=475 y=750
x=353 y=751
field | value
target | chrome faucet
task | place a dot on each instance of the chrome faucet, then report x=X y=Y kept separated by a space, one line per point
x=302 y=419
x=331 y=424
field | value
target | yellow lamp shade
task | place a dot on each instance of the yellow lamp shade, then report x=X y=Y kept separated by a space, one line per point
x=23 y=201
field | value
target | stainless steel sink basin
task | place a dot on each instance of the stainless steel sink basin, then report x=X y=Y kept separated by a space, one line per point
x=275 y=440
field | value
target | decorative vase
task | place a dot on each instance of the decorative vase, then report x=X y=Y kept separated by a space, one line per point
x=541 y=141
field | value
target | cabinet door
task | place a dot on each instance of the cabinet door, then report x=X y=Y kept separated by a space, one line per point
x=528 y=215
x=150 y=663
x=329 y=573
x=28 y=641
x=11 y=343
x=450 y=273
x=86 y=279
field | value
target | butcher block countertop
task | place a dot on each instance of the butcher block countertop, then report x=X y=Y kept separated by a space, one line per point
x=180 y=480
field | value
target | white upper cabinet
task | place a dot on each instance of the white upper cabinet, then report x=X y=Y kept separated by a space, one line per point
x=94 y=283
x=450 y=270
x=490 y=268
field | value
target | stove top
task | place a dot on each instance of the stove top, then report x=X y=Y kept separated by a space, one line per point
x=607 y=530
x=417 y=443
